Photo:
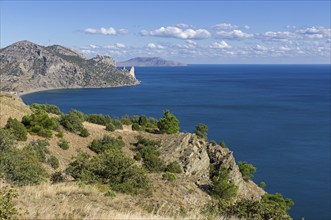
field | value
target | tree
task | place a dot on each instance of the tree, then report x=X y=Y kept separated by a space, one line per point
x=169 y=123
x=17 y=129
x=247 y=170
x=201 y=131
x=222 y=188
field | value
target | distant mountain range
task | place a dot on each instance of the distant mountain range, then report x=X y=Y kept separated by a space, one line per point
x=149 y=61
x=27 y=67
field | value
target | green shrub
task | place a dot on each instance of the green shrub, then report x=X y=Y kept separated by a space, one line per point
x=169 y=123
x=201 y=131
x=8 y=211
x=136 y=127
x=106 y=143
x=54 y=162
x=60 y=134
x=223 y=145
x=98 y=119
x=110 y=127
x=222 y=188
x=46 y=107
x=38 y=148
x=40 y=123
x=134 y=119
x=57 y=177
x=84 y=132
x=142 y=120
x=117 y=124
x=110 y=193
x=173 y=167
x=21 y=168
x=169 y=177
x=125 y=120
x=213 y=142
x=63 y=144
x=17 y=129
x=262 y=185
x=6 y=140
x=247 y=170
x=278 y=200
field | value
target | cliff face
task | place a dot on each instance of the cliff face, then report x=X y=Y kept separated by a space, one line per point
x=26 y=66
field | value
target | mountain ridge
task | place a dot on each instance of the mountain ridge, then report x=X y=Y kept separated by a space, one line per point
x=149 y=61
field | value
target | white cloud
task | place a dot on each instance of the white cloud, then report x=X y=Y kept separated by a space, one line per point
x=93 y=46
x=119 y=45
x=105 y=31
x=235 y=34
x=154 y=46
x=175 y=32
x=191 y=42
x=220 y=45
x=247 y=27
x=260 y=48
x=115 y=46
x=277 y=36
x=315 y=32
x=225 y=26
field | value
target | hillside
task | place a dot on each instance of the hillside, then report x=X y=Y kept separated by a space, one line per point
x=27 y=67
x=149 y=61
x=184 y=197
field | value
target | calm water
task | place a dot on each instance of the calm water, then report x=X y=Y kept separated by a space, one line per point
x=276 y=117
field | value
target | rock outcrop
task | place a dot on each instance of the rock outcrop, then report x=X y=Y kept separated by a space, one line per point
x=26 y=67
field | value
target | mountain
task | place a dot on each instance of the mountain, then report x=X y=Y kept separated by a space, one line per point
x=149 y=61
x=27 y=67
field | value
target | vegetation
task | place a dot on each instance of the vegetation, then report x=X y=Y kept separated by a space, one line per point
x=6 y=139
x=106 y=143
x=125 y=120
x=17 y=129
x=173 y=167
x=98 y=119
x=201 y=131
x=110 y=127
x=223 y=145
x=136 y=127
x=38 y=149
x=46 y=107
x=73 y=122
x=222 y=188
x=54 y=162
x=63 y=144
x=57 y=177
x=169 y=124
x=8 y=211
x=117 y=124
x=262 y=185
x=169 y=177
x=40 y=123
x=247 y=170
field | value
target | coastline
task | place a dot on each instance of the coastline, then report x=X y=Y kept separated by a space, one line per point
x=20 y=94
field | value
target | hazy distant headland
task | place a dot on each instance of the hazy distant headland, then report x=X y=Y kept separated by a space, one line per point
x=149 y=61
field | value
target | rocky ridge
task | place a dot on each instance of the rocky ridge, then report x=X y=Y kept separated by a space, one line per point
x=27 y=67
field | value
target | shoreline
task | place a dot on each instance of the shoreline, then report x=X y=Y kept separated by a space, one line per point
x=20 y=94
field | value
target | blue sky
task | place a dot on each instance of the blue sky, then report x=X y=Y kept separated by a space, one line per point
x=186 y=31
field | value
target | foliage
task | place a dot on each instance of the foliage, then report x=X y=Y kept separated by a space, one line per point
x=57 y=177
x=6 y=140
x=110 y=167
x=110 y=127
x=169 y=177
x=222 y=188
x=17 y=129
x=63 y=144
x=98 y=119
x=84 y=132
x=262 y=185
x=106 y=143
x=21 y=167
x=59 y=134
x=148 y=149
x=136 y=127
x=46 y=107
x=173 y=167
x=38 y=148
x=125 y=120
x=117 y=124
x=223 y=145
x=278 y=200
x=142 y=120
x=73 y=122
x=169 y=123
x=201 y=131
x=247 y=170
x=134 y=119
x=40 y=123
x=53 y=161
x=7 y=205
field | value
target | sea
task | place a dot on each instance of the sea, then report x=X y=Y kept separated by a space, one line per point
x=276 y=117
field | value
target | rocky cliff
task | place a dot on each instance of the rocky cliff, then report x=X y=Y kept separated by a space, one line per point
x=26 y=67
x=149 y=61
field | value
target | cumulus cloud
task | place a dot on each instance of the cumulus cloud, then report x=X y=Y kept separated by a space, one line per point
x=260 y=48
x=277 y=36
x=105 y=31
x=235 y=34
x=225 y=26
x=115 y=46
x=154 y=46
x=315 y=32
x=176 y=32
x=220 y=45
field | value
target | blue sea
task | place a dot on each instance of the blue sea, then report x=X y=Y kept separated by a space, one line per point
x=276 y=117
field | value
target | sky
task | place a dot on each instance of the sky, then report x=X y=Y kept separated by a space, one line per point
x=193 y=32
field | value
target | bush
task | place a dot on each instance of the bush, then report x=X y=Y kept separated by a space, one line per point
x=46 y=107
x=40 y=123
x=73 y=122
x=38 y=148
x=117 y=124
x=222 y=189
x=201 y=131
x=110 y=127
x=6 y=140
x=169 y=123
x=63 y=144
x=106 y=143
x=98 y=119
x=143 y=120
x=213 y=142
x=7 y=206
x=84 y=132
x=17 y=129
x=262 y=185
x=134 y=119
x=57 y=177
x=223 y=145
x=247 y=170
x=136 y=127
x=125 y=120
x=54 y=162
x=169 y=177
x=174 y=167
x=21 y=168
x=60 y=134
